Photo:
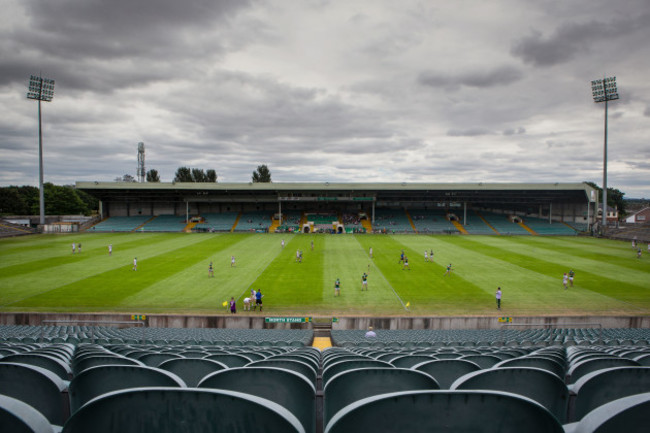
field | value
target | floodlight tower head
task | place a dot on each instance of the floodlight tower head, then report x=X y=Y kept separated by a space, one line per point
x=604 y=90
x=141 y=170
x=40 y=88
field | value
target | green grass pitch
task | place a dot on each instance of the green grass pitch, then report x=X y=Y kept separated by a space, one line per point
x=40 y=273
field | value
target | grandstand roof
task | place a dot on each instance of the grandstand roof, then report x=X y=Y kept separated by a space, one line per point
x=485 y=193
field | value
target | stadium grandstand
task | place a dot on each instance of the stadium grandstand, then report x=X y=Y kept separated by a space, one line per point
x=495 y=209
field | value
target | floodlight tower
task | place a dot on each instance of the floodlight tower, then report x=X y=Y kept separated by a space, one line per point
x=604 y=91
x=41 y=89
x=141 y=171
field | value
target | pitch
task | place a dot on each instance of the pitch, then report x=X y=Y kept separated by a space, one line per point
x=40 y=273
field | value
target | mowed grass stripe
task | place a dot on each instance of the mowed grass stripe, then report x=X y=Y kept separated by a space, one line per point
x=87 y=264
x=628 y=281
x=603 y=253
x=107 y=289
x=525 y=291
x=56 y=254
x=347 y=260
x=52 y=245
x=423 y=286
x=536 y=280
x=192 y=289
x=287 y=283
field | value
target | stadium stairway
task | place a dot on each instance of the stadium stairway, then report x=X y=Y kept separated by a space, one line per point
x=459 y=227
x=408 y=215
x=274 y=225
x=8 y=229
x=487 y=223
x=232 y=229
x=528 y=229
x=367 y=225
x=322 y=343
x=188 y=228
x=144 y=223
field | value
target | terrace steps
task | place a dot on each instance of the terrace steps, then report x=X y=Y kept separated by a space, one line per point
x=408 y=215
x=367 y=225
x=528 y=229
x=144 y=223
x=487 y=223
x=232 y=229
x=322 y=342
x=188 y=228
x=459 y=227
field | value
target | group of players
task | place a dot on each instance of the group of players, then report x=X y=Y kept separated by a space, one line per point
x=568 y=278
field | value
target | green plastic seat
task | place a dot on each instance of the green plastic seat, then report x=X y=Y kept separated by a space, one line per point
x=301 y=367
x=103 y=379
x=444 y=411
x=181 y=410
x=192 y=370
x=535 y=383
x=37 y=387
x=352 y=385
x=602 y=386
x=628 y=415
x=291 y=390
x=337 y=367
x=446 y=371
x=19 y=417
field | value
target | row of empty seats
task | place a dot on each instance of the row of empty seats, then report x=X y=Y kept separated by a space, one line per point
x=492 y=337
x=443 y=388
x=145 y=335
x=431 y=221
x=121 y=223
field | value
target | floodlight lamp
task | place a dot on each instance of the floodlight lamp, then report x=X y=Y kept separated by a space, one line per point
x=40 y=88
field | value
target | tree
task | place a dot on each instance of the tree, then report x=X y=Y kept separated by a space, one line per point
x=125 y=178
x=198 y=175
x=615 y=198
x=153 y=176
x=262 y=174
x=11 y=202
x=62 y=200
x=91 y=203
x=59 y=200
x=186 y=174
x=183 y=174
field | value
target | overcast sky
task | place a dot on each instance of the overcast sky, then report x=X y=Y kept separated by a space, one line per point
x=339 y=91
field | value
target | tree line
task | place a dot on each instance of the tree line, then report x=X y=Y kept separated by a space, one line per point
x=187 y=174
x=59 y=200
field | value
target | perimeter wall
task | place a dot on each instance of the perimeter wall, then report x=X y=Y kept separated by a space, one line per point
x=258 y=322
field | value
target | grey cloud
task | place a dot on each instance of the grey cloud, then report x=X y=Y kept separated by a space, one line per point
x=646 y=112
x=512 y=131
x=571 y=39
x=501 y=76
x=470 y=132
x=108 y=42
